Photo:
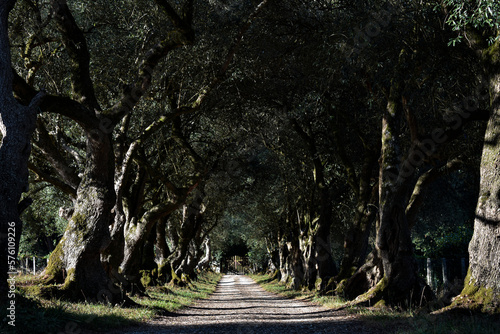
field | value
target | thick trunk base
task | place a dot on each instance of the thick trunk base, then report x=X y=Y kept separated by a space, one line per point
x=370 y=287
x=476 y=298
x=362 y=280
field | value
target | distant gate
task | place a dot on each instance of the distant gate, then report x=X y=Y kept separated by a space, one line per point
x=237 y=265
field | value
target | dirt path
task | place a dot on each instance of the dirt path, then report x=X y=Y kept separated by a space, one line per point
x=239 y=305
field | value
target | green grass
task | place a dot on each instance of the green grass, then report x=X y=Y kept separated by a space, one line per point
x=38 y=315
x=394 y=321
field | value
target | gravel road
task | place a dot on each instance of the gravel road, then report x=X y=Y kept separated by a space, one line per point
x=239 y=305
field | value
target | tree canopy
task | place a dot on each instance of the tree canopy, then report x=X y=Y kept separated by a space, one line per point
x=333 y=141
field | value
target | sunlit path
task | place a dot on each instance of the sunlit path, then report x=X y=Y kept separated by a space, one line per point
x=239 y=305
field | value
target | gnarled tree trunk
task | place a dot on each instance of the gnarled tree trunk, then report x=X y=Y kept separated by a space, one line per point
x=76 y=259
x=78 y=254
x=482 y=284
x=322 y=246
x=319 y=266
x=164 y=268
x=392 y=267
x=181 y=237
x=204 y=263
x=284 y=261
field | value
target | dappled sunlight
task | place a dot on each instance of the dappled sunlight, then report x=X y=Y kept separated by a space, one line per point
x=239 y=305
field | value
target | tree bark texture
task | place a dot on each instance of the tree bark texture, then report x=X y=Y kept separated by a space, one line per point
x=319 y=266
x=76 y=260
x=164 y=270
x=482 y=284
x=366 y=194
x=392 y=264
x=181 y=236
x=284 y=262
x=17 y=123
x=79 y=251
x=204 y=262
x=322 y=245
x=400 y=283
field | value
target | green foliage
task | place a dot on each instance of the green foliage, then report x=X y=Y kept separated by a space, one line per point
x=258 y=254
x=479 y=14
x=42 y=224
x=445 y=242
x=444 y=227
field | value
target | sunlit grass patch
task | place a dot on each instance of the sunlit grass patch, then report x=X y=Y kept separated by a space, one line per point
x=27 y=279
x=275 y=286
x=35 y=314
x=172 y=298
x=329 y=301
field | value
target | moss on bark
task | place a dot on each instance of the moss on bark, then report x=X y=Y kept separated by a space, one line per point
x=54 y=272
x=476 y=298
x=164 y=272
x=146 y=278
x=181 y=281
x=375 y=295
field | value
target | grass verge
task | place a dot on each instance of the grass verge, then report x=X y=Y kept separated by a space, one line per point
x=386 y=320
x=34 y=314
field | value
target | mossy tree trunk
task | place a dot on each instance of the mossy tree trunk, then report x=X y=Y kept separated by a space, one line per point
x=364 y=186
x=400 y=282
x=356 y=238
x=87 y=233
x=133 y=222
x=200 y=250
x=204 y=262
x=296 y=263
x=322 y=245
x=482 y=284
x=17 y=123
x=391 y=271
x=164 y=270
x=319 y=265
x=295 y=253
x=284 y=262
x=148 y=251
x=136 y=233
x=77 y=258
x=181 y=236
